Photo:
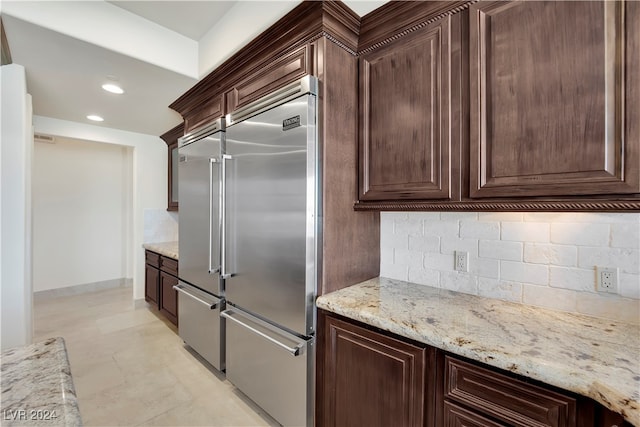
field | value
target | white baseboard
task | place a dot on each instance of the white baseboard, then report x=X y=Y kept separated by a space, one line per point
x=81 y=289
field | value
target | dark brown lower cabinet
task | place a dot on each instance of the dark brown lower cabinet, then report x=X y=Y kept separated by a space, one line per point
x=151 y=277
x=370 y=377
x=169 y=297
x=161 y=274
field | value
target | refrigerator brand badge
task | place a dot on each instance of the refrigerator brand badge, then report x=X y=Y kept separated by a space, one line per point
x=290 y=123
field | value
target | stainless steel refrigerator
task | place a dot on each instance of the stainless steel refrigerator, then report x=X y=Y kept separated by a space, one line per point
x=272 y=238
x=201 y=288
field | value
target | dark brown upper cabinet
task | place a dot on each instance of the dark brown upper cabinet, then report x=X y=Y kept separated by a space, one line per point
x=407 y=147
x=495 y=105
x=289 y=68
x=554 y=98
x=319 y=38
x=171 y=138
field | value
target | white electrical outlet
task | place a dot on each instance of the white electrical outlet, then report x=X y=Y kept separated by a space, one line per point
x=461 y=261
x=607 y=279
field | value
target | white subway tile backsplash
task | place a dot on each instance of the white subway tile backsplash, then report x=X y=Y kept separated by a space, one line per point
x=627 y=260
x=629 y=285
x=483 y=267
x=424 y=276
x=424 y=243
x=448 y=245
x=386 y=254
x=580 y=234
x=448 y=216
x=558 y=299
x=541 y=259
x=543 y=253
x=160 y=226
x=394 y=271
x=441 y=228
x=480 y=230
x=526 y=273
x=389 y=239
x=442 y=262
x=498 y=249
x=500 y=216
x=407 y=257
x=525 y=231
x=459 y=282
x=501 y=289
x=411 y=226
x=609 y=307
x=625 y=235
x=577 y=279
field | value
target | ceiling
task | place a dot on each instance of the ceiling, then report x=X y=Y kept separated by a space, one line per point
x=155 y=50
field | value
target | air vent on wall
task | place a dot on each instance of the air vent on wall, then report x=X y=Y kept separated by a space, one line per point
x=39 y=137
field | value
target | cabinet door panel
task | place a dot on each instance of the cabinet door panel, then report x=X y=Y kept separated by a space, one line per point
x=209 y=110
x=549 y=95
x=405 y=117
x=169 y=297
x=275 y=75
x=151 y=278
x=370 y=379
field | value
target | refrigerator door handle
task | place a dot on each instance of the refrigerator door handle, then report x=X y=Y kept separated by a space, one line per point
x=212 y=269
x=295 y=351
x=224 y=270
x=183 y=291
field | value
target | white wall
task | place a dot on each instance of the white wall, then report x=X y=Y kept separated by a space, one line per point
x=80 y=213
x=15 y=209
x=227 y=37
x=149 y=176
x=540 y=259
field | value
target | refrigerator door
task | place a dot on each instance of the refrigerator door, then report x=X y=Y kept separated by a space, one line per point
x=280 y=379
x=195 y=309
x=199 y=220
x=272 y=205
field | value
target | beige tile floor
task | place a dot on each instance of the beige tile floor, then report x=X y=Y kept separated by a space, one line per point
x=130 y=368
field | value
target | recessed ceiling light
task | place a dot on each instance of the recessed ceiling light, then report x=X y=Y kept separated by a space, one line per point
x=95 y=118
x=113 y=88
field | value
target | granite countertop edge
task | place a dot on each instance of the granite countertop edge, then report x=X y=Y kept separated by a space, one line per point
x=443 y=319
x=168 y=249
x=37 y=386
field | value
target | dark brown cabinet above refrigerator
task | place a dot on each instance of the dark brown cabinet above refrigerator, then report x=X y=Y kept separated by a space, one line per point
x=171 y=138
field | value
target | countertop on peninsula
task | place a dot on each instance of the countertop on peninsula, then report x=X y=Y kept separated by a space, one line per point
x=587 y=355
x=37 y=388
x=168 y=249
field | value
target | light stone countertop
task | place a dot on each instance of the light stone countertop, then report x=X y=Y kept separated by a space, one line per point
x=586 y=355
x=168 y=249
x=37 y=388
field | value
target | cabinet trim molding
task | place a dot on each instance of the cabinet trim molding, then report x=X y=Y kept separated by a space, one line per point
x=305 y=23
x=395 y=13
x=513 y=206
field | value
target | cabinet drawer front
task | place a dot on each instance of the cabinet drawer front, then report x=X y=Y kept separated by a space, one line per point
x=280 y=72
x=456 y=416
x=152 y=258
x=505 y=398
x=212 y=109
x=169 y=265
